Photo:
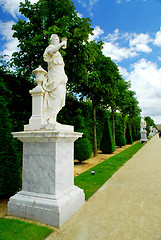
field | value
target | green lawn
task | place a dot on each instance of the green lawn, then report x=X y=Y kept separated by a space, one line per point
x=103 y=171
x=13 y=229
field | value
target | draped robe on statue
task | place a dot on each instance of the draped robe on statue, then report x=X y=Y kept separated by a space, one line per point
x=54 y=85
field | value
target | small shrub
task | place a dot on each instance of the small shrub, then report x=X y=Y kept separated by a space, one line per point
x=82 y=146
x=120 y=140
x=107 y=143
x=82 y=149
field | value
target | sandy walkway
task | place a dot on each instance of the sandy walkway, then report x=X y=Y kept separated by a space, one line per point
x=127 y=207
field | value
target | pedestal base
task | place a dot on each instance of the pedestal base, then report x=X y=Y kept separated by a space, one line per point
x=48 y=192
x=143 y=134
x=46 y=208
x=48 y=127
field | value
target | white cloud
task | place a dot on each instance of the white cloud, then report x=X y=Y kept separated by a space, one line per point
x=157 y=119
x=118 y=53
x=113 y=37
x=6 y=32
x=79 y=15
x=157 y=40
x=145 y=77
x=120 y=1
x=133 y=45
x=124 y=72
x=12 y=6
x=82 y=3
x=88 y=4
x=92 y=2
x=140 y=42
x=97 y=32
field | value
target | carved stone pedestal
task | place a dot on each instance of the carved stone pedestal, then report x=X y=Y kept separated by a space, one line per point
x=48 y=193
x=143 y=136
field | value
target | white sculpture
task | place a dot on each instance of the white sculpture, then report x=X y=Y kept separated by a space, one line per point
x=143 y=131
x=54 y=84
x=48 y=192
x=143 y=124
x=48 y=97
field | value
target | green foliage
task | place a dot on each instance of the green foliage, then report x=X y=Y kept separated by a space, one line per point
x=43 y=19
x=120 y=140
x=103 y=171
x=12 y=229
x=82 y=149
x=18 y=99
x=82 y=146
x=119 y=135
x=71 y=109
x=135 y=127
x=10 y=180
x=107 y=142
x=129 y=139
x=149 y=122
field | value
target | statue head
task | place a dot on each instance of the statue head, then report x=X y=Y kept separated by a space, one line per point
x=54 y=39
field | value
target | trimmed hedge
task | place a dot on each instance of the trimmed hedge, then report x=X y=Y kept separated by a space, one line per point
x=10 y=179
x=120 y=140
x=82 y=149
x=82 y=146
x=128 y=135
x=107 y=143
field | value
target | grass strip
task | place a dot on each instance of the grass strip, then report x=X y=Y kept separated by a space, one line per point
x=104 y=170
x=12 y=229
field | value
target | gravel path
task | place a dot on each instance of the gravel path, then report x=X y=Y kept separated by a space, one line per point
x=126 y=207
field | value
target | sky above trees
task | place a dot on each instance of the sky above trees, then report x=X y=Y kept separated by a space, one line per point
x=131 y=32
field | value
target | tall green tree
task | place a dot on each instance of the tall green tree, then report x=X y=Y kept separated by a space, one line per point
x=127 y=103
x=43 y=19
x=149 y=122
x=111 y=99
x=97 y=85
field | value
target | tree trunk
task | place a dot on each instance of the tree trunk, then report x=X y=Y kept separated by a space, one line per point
x=94 y=130
x=123 y=122
x=113 y=124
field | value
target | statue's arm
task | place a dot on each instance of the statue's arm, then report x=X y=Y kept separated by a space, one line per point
x=54 y=49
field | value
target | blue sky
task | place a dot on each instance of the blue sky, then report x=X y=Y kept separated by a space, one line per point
x=131 y=32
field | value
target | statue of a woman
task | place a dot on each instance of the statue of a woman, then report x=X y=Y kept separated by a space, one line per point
x=55 y=83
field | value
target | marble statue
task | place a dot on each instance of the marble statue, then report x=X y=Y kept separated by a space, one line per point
x=55 y=81
x=48 y=149
x=143 y=124
x=143 y=131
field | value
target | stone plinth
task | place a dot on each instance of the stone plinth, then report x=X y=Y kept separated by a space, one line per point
x=48 y=193
x=143 y=136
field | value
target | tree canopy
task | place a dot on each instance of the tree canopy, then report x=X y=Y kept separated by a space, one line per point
x=43 y=19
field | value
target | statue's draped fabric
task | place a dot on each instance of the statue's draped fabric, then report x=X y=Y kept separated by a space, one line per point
x=54 y=84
